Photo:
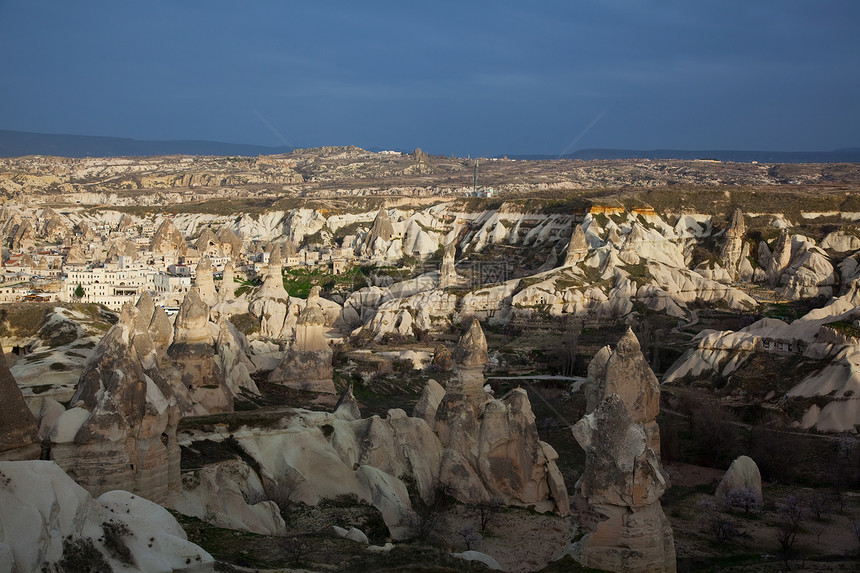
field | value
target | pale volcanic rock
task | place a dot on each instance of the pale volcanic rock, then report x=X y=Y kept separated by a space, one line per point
x=128 y=438
x=76 y=255
x=627 y=374
x=231 y=244
x=23 y=236
x=192 y=320
x=743 y=474
x=223 y=489
x=120 y=248
x=57 y=229
x=232 y=365
x=307 y=364
x=19 y=435
x=472 y=555
x=841 y=242
x=381 y=230
x=470 y=357
x=207 y=244
x=270 y=302
x=323 y=467
x=493 y=451
x=193 y=354
x=442 y=360
x=471 y=350
x=167 y=239
x=347 y=406
x=227 y=289
x=578 y=247
x=42 y=510
x=733 y=251
x=428 y=402
x=620 y=524
x=160 y=329
x=302 y=222
x=205 y=283
x=448 y=272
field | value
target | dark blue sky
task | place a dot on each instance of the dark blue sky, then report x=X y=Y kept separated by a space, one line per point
x=460 y=77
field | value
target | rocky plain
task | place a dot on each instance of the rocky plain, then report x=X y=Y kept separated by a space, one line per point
x=343 y=360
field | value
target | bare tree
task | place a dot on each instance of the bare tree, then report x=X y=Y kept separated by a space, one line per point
x=297 y=548
x=209 y=514
x=791 y=515
x=742 y=498
x=470 y=537
x=487 y=510
x=818 y=505
x=570 y=345
x=285 y=490
x=724 y=528
x=714 y=429
x=855 y=529
x=429 y=518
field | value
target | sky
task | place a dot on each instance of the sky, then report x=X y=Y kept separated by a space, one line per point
x=456 y=78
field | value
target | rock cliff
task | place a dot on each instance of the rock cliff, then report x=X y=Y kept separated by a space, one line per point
x=19 y=435
x=620 y=525
x=307 y=364
x=48 y=521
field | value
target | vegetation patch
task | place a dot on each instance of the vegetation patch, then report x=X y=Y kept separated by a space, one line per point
x=115 y=535
x=246 y=323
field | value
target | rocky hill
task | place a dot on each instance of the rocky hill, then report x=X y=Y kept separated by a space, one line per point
x=389 y=345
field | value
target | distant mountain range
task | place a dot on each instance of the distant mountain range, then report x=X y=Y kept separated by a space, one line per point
x=18 y=143
x=847 y=155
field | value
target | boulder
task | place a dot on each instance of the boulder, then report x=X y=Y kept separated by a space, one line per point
x=742 y=474
x=230 y=494
x=19 y=435
x=48 y=522
x=472 y=555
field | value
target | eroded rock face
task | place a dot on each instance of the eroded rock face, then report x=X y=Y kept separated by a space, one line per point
x=492 y=451
x=307 y=364
x=227 y=289
x=19 y=436
x=734 y=251
x=380 y=235
x=205 y=283
x=209 y=359
x=120 y=429
x=448 y=273
x=225 y=489
x=620 y=523
x=167 y=238
x=470 y=357
x=45 y=516
x=577 y=250
x=743 y=474
x=626 y=372
x=120 y=432
x=270 y=303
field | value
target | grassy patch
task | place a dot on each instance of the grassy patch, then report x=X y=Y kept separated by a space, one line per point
x=245 y=323
x=845 y=328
